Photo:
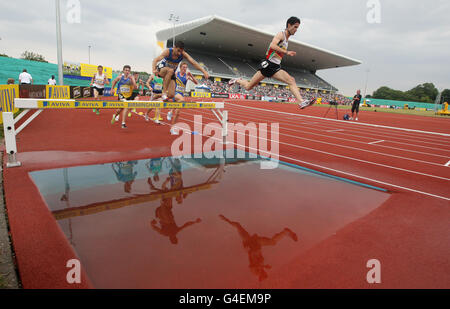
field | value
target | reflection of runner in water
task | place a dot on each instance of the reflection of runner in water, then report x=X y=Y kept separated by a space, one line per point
x=154 y=167
x=124 y=173
x=168 y=226
x=176 y=179
x=253 y=245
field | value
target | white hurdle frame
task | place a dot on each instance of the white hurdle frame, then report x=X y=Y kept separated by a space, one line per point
x=11 y=132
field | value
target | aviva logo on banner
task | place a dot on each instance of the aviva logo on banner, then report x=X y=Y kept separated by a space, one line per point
x=201 y=94
x=7 y=95
x=57 y=92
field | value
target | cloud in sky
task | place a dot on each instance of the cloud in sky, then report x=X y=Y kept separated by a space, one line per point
x=409 y=46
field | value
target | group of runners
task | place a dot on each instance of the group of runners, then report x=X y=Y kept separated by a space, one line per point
x=170 y=76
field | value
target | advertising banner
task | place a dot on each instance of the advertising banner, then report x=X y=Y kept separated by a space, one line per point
x=237 y=96
x=219 y=95
x=84 y=69
x=89 y=70
x=32 y=91
x=75 y=92
x=7 y=95
x=87 y=92
x=200 y=94
x=55 y=104
x=57 y=92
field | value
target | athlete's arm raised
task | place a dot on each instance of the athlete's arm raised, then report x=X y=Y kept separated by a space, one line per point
x=274 y=45
x=195 y=64
x=192 y=78
x=133 y=81
x=164 y=54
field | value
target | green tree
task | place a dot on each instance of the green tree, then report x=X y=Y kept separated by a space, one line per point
x=27 y=55
x=4 y=55
x=445 y=96
x=424 y=93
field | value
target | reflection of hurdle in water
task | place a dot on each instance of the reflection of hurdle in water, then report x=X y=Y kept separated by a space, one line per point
x=167 y=224
x=65 y=197
x=10 y=132
x=137 y=199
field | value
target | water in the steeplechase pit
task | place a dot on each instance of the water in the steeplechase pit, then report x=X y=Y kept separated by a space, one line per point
x=197 y=223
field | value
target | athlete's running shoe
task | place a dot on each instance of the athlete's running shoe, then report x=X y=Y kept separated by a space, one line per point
x=169 y=115
x=97 y=112
x=124 y=126
x=164 y=97
x=174 y=131
x=147 y=118
x=113 y=119
x=233 y=81
x=307 y=103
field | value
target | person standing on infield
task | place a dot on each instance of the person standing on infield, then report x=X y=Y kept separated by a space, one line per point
x=355 y=104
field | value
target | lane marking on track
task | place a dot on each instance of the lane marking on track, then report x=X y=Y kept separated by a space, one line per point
x=376 y=142
x=341 y=156
x=340 y=121
x=402 y=137
x=336 y=130
x=341 y=138
x=448 y=163
x=339 y=171
x=344 y=146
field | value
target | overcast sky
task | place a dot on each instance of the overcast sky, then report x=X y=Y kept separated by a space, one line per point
x=410 y=45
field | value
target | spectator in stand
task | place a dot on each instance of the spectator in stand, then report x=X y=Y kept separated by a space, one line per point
x=25 y=78
x=10 y=81
x=52 y=81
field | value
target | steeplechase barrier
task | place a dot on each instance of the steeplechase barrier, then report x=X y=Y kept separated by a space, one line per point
x=39 y=105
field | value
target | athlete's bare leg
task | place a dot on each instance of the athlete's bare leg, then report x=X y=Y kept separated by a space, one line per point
x=124 y=114
x=166 y=73
x=248 y=85
x=284 y=76
x=155 y=96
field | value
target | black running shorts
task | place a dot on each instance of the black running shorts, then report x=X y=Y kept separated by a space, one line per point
x=99 y=90
x=355 y=107
x=268 y=68
x=131 y=98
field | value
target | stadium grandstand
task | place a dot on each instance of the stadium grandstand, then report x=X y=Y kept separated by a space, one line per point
x=228 y=49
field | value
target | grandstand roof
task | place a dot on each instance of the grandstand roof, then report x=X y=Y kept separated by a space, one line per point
x=223 y=36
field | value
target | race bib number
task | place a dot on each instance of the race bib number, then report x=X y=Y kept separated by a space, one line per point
x=124 y=89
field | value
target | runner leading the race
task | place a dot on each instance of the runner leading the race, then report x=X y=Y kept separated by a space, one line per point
x=271 y=66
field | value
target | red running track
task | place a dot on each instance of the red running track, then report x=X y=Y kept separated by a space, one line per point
x=409 y=233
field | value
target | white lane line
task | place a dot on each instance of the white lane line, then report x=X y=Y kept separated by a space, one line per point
x=342 y=156
x=336 y=137
x=343 y=146
x=448 y=163
x=337 y=171
x=342 y=121
x=366 y=135
x=376 y=142
x=336 y=130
